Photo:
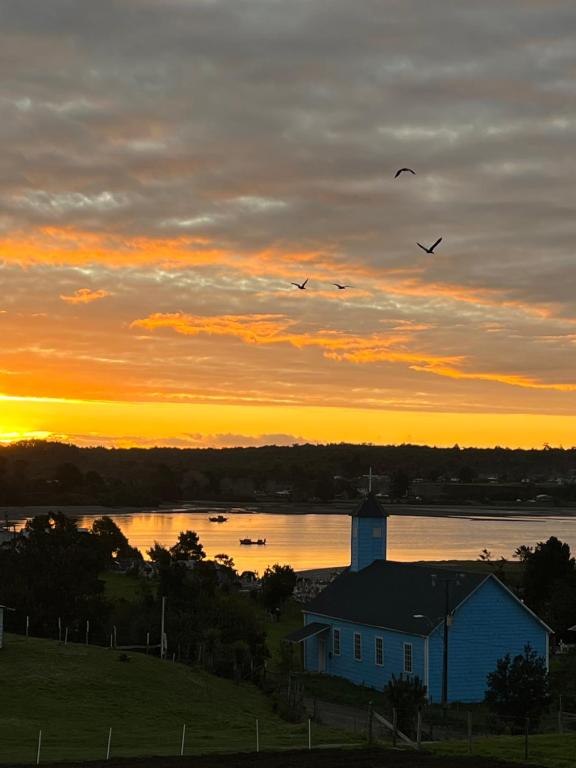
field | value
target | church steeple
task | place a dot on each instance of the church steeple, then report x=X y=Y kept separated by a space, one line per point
x=369 y=523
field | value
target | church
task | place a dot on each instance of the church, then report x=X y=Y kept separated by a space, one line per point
x=381 y=618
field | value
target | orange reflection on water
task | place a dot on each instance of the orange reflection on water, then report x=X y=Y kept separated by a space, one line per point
x=323 y=540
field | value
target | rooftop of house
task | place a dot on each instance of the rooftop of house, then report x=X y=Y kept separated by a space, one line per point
x=407 y=590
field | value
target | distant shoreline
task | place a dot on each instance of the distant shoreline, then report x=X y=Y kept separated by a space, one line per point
x=480 y=512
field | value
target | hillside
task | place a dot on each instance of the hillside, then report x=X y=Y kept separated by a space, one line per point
x=76 y=693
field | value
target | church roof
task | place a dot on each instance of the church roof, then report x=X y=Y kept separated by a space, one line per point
x=369 y=507
x=389 y=595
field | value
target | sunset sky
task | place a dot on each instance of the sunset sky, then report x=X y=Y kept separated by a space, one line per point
x=168 y=167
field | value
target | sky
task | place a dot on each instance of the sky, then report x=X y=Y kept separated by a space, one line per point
x=167 y=169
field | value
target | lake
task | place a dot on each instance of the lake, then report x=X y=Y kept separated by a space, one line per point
x=323 y=540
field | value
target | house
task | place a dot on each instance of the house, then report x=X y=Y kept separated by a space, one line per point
x=381 y=618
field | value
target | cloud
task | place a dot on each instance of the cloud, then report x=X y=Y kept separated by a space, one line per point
x=85 y=296
x=276 y=329
x=200 y=156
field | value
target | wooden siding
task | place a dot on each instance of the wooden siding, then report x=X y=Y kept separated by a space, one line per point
x=490 y=624
x=364 y=672
x=365 y=545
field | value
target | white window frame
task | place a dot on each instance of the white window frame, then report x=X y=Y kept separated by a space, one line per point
x=359 y=636
x=381 y=640
x=336 y=641
x=411 y=655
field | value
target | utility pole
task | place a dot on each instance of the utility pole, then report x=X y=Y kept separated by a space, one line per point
x=447 y=580
x=445 y=653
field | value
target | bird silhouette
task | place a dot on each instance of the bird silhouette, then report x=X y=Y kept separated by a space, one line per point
x=404 y=170
x=301 y=286
x=342 y=287
x=431 y=249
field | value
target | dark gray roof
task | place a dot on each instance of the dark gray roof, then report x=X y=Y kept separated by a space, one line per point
x=369 y=507
x=388 y=594
x=315 y=628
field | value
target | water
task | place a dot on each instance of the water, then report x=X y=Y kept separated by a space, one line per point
x=323 y=540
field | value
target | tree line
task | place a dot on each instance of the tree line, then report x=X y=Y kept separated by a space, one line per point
x=43 y=472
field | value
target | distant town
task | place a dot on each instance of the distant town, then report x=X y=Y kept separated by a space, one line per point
x=40 y=473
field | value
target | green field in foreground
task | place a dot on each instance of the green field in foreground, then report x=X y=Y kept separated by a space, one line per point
x=76 y=693
x=551 y=750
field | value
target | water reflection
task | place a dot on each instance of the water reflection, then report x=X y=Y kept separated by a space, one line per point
x=317 y=541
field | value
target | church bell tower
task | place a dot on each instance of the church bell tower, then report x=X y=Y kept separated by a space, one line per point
x=369 y=524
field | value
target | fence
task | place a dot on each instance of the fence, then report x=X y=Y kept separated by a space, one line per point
x=53 y=744
x=462 y=727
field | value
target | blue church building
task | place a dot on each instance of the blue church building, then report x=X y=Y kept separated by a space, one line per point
x=381 y=618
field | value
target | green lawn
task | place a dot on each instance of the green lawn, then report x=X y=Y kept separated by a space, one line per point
x=290 y=619
x=76 y=693
x=549 y=750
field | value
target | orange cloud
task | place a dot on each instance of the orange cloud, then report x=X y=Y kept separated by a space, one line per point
x=275 y=329
x=502 y=378
x=85 y=296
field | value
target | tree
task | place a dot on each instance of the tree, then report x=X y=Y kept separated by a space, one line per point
x=399 y=484
x=188 y=547
x=68 y=476
x=406 y=695
x=159 y=555
x=519 y=689
x=52 y=572
x=278 y=584
x=467 y=474
x=111 y=537
x=225 y=561
x=550 y=563
x=523 y=553
x=485 y=556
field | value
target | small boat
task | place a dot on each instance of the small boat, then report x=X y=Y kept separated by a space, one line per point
x=253 y=541
x=218 y=519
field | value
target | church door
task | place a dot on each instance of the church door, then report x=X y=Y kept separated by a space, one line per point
x=321 y=655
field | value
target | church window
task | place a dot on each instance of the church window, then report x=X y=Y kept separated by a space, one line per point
x=357 y=646
x=408 y=657
x=336 y=641
x=379 y=652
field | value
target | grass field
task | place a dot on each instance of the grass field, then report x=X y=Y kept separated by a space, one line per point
x=550 y=750
x=76 y=693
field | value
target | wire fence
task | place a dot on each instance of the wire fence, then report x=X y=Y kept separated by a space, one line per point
x=55 y=742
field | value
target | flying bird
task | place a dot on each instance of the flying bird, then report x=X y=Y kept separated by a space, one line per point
x=342 y=287
x=404 y=170
x=301 y=286
x=431 y=249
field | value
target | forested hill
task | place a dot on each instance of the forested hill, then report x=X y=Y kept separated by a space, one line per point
x=41 y=472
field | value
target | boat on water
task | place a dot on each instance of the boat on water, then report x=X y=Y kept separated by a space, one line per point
x=253 y=541
x=218 y=519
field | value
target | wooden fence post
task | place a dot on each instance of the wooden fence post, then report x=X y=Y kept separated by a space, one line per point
x=370 y=722
x=394 y=727
x=39 y=747
x=183 y=740
x=419 y=728
x=469 y=724
x=526 y=729
x=560 y=715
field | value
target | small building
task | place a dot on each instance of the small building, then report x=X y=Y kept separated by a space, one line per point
x=381 y=618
